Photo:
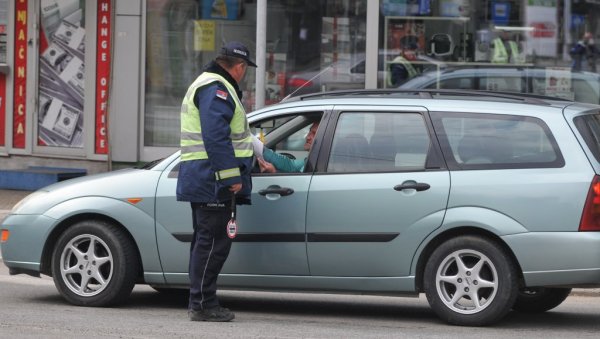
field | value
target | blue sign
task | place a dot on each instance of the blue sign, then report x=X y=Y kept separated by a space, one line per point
x=500 y=13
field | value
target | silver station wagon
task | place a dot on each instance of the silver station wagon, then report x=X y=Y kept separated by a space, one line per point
x=486 y=202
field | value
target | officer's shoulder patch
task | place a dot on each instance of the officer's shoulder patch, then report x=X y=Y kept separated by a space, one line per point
x=222 y=94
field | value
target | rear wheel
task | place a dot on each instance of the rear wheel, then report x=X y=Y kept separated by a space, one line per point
x=540 y=299
x=470 y=281
x=94 y=264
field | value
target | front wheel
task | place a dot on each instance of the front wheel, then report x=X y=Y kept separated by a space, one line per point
x=540 y=299
x=470 y=281
x=94 y=264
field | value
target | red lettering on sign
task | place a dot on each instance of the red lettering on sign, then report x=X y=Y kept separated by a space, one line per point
x=20 y=79
x=102 y=75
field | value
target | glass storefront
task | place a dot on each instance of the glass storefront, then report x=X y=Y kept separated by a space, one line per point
x=541 y=47
x=530 y=46
x=181 y=37
x=311 y=46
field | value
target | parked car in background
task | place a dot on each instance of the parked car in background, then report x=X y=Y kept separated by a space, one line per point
x=347 y=74
x=484 y=202
x=578 y=86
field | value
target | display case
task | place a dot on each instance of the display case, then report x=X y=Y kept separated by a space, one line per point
x=430 y=43
x=424 y=43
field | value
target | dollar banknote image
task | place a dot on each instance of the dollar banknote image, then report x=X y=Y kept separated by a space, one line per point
x=57 y=120
x=71 y=38
x=61 y=73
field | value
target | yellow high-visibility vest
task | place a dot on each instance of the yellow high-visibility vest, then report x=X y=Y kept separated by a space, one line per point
x=500 y=55
x=192 y=144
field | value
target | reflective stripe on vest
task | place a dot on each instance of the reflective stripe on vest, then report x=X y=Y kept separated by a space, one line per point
x=500 y=55
x=192 y=144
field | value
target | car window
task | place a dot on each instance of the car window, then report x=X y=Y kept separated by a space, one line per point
x=501 y=83
x=475 y=141
x=589 y=128
x=584 y=92
x=452 y=83
x=379 y=142
x=286 y=135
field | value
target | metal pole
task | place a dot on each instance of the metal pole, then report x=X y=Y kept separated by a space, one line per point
x=261 y=53
x=372 y=49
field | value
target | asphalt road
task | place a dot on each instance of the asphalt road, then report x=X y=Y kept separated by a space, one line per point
x=32 y=308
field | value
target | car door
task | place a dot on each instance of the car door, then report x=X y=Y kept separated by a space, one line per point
x=380 y=188
x=271 y=231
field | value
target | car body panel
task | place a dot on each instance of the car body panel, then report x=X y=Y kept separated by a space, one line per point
x=266 y=220
x=542 y=258
x=28 y=233
x=414 y=215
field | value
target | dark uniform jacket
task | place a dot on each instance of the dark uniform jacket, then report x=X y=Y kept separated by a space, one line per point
x=197 y=181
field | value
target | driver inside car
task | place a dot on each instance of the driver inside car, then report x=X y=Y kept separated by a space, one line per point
x=272 y=162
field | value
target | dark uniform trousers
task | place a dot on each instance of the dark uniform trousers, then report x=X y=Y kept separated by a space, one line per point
x=208 y=252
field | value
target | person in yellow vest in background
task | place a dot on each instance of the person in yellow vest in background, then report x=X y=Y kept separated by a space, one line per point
x=400 y=69
x=506 y=50
x=216 y=161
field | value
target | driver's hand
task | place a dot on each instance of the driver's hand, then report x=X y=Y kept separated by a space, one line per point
x=265 y=166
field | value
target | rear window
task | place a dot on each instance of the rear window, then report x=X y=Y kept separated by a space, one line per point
x=589 y=128
x=493 y=141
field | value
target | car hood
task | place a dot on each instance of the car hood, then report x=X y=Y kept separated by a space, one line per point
x=121 y=184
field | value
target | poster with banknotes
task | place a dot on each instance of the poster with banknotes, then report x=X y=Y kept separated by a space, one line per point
x=62 y=73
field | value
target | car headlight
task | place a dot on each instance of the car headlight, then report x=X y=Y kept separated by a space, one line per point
x=19 y=207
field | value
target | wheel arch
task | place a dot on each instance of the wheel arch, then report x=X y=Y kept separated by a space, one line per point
x=461 y=231
x=60 y=228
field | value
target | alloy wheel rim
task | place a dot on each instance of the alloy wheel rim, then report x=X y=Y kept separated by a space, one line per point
x=467 y=281
x=86 y=265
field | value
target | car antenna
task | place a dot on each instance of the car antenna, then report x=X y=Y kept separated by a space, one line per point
x=307 y=82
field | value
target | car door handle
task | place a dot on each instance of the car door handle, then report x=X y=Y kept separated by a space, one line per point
x=276 y=189
x=411 y=184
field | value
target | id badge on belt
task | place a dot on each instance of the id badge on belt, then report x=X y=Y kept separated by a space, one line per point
x=232 y=227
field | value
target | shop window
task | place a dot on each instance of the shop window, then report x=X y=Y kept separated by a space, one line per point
x=181 y=37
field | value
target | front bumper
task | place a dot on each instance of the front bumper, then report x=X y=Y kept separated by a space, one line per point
x=22 y=253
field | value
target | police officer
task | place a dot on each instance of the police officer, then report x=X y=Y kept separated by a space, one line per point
x=216 y=161
x=506 y=50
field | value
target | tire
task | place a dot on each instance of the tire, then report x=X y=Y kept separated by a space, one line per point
x=94 y=263
x=540 y=299
x=476 y=268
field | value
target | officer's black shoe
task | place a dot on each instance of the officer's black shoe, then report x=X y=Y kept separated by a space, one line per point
x=212 y=314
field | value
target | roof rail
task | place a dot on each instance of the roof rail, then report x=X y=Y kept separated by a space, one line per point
x=429 y=93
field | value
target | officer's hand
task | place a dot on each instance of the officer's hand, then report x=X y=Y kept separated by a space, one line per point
x=265 y=166
x=235 y=188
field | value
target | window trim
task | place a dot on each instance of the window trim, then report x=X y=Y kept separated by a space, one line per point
x=434 y=160
x=453 y=165
x=308 y=114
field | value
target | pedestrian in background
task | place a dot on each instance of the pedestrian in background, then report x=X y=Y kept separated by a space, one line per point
x=216 y=161
x=584 y=49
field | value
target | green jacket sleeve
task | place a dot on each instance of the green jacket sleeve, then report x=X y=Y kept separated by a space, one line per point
x=283 y=163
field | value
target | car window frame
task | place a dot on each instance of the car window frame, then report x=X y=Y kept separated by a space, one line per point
x=309 y=167
x=454 y=165
x=434 y=160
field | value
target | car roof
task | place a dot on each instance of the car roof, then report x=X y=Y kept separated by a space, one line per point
x=431 y=98
x=431 y=94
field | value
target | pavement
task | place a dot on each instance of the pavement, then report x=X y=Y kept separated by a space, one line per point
x=8 y=198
